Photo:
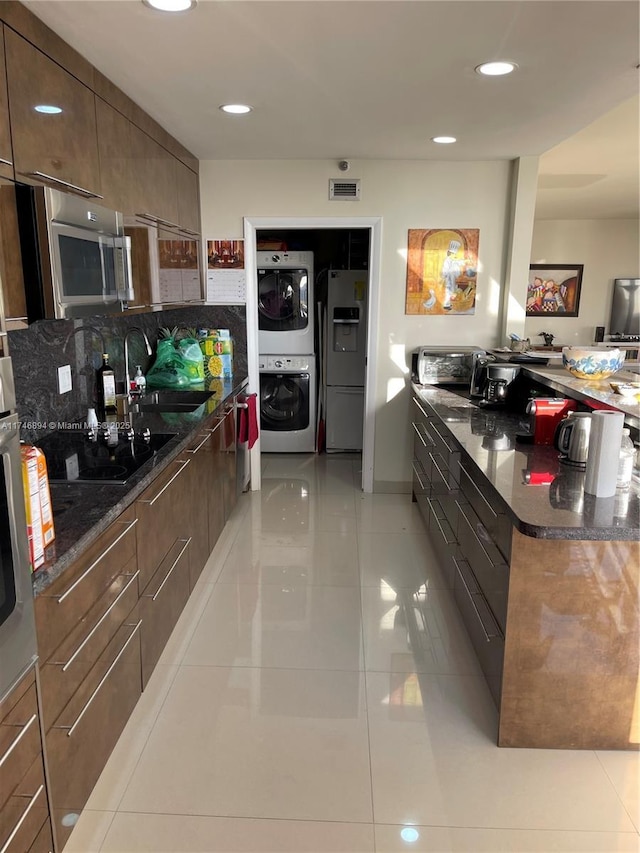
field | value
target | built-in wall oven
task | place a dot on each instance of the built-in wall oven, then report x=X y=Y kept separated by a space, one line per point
x=17 y=625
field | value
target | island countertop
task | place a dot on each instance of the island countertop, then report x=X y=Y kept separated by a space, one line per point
x=544 y=497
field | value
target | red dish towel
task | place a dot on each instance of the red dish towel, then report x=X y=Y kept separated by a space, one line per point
x=248 y=421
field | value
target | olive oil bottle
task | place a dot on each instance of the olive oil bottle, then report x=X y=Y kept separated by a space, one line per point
x=106 y=382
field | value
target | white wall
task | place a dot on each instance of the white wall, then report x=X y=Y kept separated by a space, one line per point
x=608 y=248
x=406 y=194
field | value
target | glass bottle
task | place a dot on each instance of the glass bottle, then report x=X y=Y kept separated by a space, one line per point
x=106 y=382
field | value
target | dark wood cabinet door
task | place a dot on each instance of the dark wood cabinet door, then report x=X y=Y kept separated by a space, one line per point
x=116 y=162
x=63 y=146
x=201 y=473
x=215 y=500
x=154 y=179
x=11 y=274
x=188 y=189
x=229 y=460
x=6 y=154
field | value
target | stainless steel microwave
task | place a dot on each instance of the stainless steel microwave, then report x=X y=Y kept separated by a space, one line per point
x=76 y=256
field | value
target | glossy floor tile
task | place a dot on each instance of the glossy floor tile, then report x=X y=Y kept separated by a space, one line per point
x=320 y=693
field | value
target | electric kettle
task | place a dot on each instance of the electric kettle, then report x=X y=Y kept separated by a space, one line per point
x=572 y=438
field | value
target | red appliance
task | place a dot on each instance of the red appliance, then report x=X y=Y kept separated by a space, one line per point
x=546 y=413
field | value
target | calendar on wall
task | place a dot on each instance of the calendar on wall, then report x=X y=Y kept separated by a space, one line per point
x=226 y=276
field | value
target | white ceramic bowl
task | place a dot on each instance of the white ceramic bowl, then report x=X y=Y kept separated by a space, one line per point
x=592 y=362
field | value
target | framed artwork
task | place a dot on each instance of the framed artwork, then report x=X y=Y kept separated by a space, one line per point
x=442 y=266
x=554 y=289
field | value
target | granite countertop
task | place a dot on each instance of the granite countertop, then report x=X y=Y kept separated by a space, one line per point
x=81 y=512
x=544 y=497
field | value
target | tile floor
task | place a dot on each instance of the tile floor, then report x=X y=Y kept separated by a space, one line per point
x=320 y=694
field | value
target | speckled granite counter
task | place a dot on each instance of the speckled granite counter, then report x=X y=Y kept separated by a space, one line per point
x=81 y=512
x=557 y=509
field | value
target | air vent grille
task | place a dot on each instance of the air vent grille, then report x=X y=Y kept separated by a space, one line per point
x=341 y=190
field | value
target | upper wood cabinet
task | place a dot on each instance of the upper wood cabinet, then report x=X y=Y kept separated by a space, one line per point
x=154 y=178
x=6 y=155
x=188 y=198
x=116 y=158
x=61 y=149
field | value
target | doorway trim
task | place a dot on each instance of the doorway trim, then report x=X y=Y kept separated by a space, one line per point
x=374 y=224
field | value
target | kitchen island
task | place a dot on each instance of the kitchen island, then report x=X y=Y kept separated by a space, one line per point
x=545 y=576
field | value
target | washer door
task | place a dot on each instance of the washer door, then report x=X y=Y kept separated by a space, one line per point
x=284 y=401
x=283 y=300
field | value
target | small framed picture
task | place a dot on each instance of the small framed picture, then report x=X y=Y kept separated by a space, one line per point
x=554 y=289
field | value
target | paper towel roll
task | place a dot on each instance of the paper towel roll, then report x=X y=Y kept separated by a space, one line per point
x=604 y=453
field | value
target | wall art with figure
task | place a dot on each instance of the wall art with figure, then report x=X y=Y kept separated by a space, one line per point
x=442 y=267
x=554 y=289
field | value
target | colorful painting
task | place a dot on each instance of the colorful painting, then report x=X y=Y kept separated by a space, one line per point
x=554 y=289
x=442 y=268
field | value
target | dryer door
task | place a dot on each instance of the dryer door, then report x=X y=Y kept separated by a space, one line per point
x=283 y=300
x=284 y=401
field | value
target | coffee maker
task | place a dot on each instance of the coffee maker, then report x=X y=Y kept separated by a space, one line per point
x=492 y=381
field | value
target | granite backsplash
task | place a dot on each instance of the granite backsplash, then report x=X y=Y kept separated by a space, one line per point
x=39 y=350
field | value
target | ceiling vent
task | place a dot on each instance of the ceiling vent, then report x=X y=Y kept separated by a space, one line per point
x=342 y=190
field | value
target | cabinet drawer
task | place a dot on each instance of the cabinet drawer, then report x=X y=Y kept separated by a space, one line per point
x=442 y=538
x=485 y=560
x=482 y=628
x=162 y=513
x=83 y=736
x=19 y=742
x=66 y=602
x=421 y=480
x=488 y=509
x=422 y=444
x=44 y=840
x=74 y=659
x=25 y=812
x=162 y=603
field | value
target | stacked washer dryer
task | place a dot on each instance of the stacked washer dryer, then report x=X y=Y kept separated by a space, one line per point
x=286 y=340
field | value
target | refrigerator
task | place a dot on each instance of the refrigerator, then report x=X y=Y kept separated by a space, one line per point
x=345 y=359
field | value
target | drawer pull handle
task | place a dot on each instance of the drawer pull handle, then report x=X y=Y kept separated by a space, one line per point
x=130 y=525
x=187 y=542
x=439 y=470
x=480 y=495
x=415 y=471
x=166 y=486
x=17 y=740
x=440 y=528
x=471 y=595
x=72 y=728
x=99 y=622
x=419 y=434
x=73 y=187
x=202 y=443
x=486 y=536
x=442 y=438
x=6 y=162
x=23 y=817
x=418 y=404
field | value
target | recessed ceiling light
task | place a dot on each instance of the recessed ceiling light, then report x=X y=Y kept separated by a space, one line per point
x=48 y=109
x=170 y=5
x=236 y=109
x=444 y=140
x=496 y=69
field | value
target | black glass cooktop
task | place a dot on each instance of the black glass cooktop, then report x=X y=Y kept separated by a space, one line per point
x=75 y=457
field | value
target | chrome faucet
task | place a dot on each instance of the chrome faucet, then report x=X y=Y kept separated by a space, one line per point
x=131 y=331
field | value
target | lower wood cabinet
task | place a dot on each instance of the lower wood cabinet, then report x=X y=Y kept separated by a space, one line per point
x=24 y=808
x=85 y=733
x=228 y=469
x=202 y=474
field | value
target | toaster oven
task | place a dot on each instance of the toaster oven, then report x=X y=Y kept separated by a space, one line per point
x=441 y=365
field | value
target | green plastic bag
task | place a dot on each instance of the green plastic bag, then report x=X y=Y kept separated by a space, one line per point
x=170 y=369
x=190 y=349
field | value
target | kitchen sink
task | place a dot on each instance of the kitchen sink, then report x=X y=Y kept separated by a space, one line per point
x=170 y=401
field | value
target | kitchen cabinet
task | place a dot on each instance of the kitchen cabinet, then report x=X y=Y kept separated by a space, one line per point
x=11 y=275
x=203 y=489
x=163 y=538
x=228 y=458
x=154 y=179
x=88 y=628
x=188 y=198
x=24 y=809
x=60 y=149
x=216 y=493
x=116 y=158
x=6 y=153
